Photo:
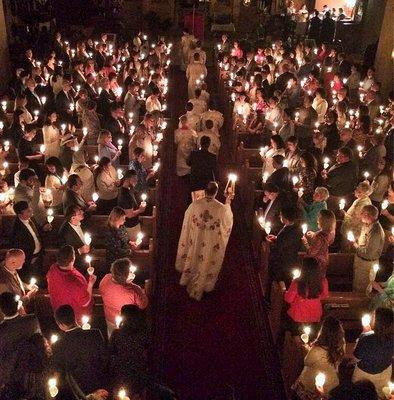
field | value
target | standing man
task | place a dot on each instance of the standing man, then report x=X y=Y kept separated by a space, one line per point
x=186 y=140
x=194 y=73
x=66 y=285
x=26 y=235
x=127 y=199
x=203 y=168
x=10 y=280
x=205 y=233
x=369 y=247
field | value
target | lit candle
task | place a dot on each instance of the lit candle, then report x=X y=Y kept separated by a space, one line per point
x=63 y=127
x=350 y=236
x=50 y=216
x=43 y=99
x=42 y=148
x=119 y=91
x=33 y=282
x=78 y=88
x=295 y=180
x=317 y=124
x=297 y=116
x=305 y=336
x=72 y=107
x=84 y=131
x=52 y=387
x=11 y=193
x=261 y=221
x=265 y=177
x=326 y=162
x=1 y=126
x=296 y=273
x=95 y=196
x=64 y=179
x=4 y=105
x=366 y=175
x=388 y=390
x=320 y=380
x=304 y=228
x=87 y=238
x=140 y=236
x=118 y=320
x=88 y=260
x=375 y=268
x=342 y=204
x=366 y=320
x=385 y=204
x=54 y=338
x=122 y=395
x=36 y=112
x=267 y=227
x=119 y=173
x=360 y=150
x=143 y=198
x=156 y=166
x=230 y=186
x=85 y=322
x=96 y=159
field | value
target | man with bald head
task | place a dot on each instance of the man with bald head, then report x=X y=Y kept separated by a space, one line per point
x=9 y=277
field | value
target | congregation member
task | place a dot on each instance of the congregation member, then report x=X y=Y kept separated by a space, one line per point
x=66 y=285
x=117 y=289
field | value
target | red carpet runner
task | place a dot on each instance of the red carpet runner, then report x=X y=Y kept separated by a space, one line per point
x=218 y=348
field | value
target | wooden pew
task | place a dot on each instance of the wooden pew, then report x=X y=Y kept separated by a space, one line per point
x=252 y=156
x=347 y=307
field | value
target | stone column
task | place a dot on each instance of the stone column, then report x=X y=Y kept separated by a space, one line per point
x=4 y=54
x=384 y=61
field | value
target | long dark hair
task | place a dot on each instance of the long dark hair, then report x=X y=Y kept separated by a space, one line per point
x=331 y=337
x=310 y=283
x=309 y=160
x=57 y=164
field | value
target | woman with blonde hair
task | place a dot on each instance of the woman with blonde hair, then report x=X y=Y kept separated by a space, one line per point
x=107 y=149
x=317 y=243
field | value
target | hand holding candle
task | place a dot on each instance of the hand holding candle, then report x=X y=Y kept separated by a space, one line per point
x=138 y=241
x=305 y=335
x=120 y=144
x=143 y=198
x=320 y=380
x=54 y=338
x=52 y=387
x=122 y=395
x=95 y=197
x=87 y=238
x=342 y=204
x=296 y=273
x=50 y=216
x=350 y=236
x=85 y=322
x=304 y=228
x=230 y=186
x=118 y=320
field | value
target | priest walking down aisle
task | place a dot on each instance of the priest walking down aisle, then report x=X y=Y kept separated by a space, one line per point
x=205 y=233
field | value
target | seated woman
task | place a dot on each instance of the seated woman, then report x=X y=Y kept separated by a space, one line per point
x=317 y=243
x=107 y=184
x=305 y=294
x=117 y=289
x=352 y=217
x=55 y=181
x=107 y=149
x=324 y=355
x=374 y=351
x=311 y=211
x=117 y=241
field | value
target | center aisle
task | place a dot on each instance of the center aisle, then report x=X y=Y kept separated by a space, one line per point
x=220 y=345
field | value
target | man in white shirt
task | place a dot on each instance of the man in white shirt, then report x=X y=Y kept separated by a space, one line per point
x=199 y=105
x=193 y=120
x=185 y=140
x=213 y=134
x=195 y=73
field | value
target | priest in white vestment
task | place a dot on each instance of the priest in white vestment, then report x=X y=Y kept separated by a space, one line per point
x=186 y=141
x=195 y=73
x=205 y=232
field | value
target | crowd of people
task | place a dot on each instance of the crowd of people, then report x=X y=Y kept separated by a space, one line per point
x=80 y=133
x=322 y=132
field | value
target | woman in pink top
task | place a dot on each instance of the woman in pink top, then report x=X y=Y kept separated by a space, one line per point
x=306 y=292
x=317 y=243
x=118 y=289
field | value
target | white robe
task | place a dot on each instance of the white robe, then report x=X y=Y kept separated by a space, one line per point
x=205 y=232
x=215 y=116
x=193 y=75
x=186 y=140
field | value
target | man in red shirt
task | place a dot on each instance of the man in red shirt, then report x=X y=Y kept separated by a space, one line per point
x=66 y=285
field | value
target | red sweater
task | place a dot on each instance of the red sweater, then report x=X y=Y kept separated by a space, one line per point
x=69 y=287
x=302 y=309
